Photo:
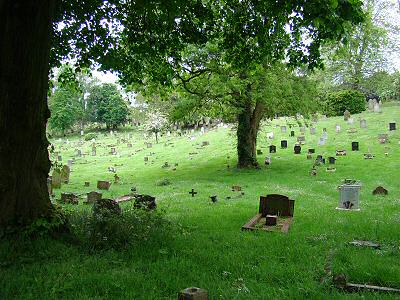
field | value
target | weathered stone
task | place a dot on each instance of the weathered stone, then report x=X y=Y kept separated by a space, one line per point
x=380 y=190
x=93 y=196
x=145 y=201
x=193 y=293
x=69 y=198
x=106 y=207
x=65 y=172
x=103 y=185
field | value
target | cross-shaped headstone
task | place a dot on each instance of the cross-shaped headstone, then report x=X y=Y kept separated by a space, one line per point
x=193 y=193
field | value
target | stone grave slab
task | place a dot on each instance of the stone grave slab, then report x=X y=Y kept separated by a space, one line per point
x=380 y=190
x=69 y=198
x=103 y=185
x=273 y=207
x=93 y=196
x=349 y=195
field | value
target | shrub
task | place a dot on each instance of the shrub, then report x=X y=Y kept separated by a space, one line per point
x=89 y=136
x=119 y=231
x=337 y=102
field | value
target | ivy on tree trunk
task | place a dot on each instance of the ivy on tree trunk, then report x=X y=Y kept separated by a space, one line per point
x=25 y=34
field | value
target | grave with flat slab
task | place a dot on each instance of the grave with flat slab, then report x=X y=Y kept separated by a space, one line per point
x=275 y=214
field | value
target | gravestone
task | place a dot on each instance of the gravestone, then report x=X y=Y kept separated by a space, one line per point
x=65 y=172
x=309 y=156
x=145 y=158
x=113 y=151
x=338 y=128
x=341 y=152
x=78 y=153
x=301 y=139
x=205 y=143
x=106 y=207
x=349 y=195
x=283 y=129
x=70 y=162
x=129 y=145
x=371 y=104
x=380 y=190
x=93 y=151
x=145 y=201
x=284 y=144
x=297 y=149
x=377 y=107
x=277 y=205
x=267 y=160
x=302 y=129
x=363 y=123
x=272 y=149
x=69 y=198
x=93 y=196
x=321 y=141
x=192 y=192
x=350 y=121
x=346 y=115
x=270 y=135
x=193 y=293
x=214 y=198
x=149 y=145
x=325 y=135
x=259 y=152
x=236 y=188
x=59 y=158
x=56 y=179
x=311 y=150
x=392 y=126
x=312 y=130
x=87 y=183
x=292 y=133
x=116 y=179
x=354 y=146
x=331 y=160
x=49 y=186
x=383 y=138
x=103 y=185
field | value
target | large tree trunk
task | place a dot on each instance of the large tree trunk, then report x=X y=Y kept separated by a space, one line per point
x=248 y=124
x=25 y=32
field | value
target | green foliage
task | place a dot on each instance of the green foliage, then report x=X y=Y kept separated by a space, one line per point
x=89 y=136
x=65 y=109
x=102 y=231
x=106 y=105
x=163 y=182
x=337 y=102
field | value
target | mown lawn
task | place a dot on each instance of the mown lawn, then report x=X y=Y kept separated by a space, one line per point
x=206 y=247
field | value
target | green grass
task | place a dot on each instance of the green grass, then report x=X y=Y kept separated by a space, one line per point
x=208 y=249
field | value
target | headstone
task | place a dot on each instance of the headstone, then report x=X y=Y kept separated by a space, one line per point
x=321 y=141
x=331 y=160
x=78 y=153
x=49 y=186
x=338 y=128
x=377 y=107
x=145 y=201
x=380 y=190
x=272 y=149
x=292 y=133
x=311 y=150
x=59 y=158
x=363 y=123
x=236 y=188
x=103 y=185
x=87 y=183
x=271 y=220
x=297 y=149
x=192 y=192
x=270 y=135
x=145 y=158
x=371 y=104
x=392 y=126
x=259 y=152
x=346 y=115
x=82 y=133
x=70 y=162
x=302 y=129
x=205 y=143
x=116 y=179
x=129 y=145
x=312 y=130
x=275 y=204
x=113 y=151
x=149 y=145
x=354 y=146
x=56 y=179
x=325 y=135
x=102 y=207
x=349 y=195
x=284 y=144
x=93 y=196
x=93 y=151
x=65 y=172
x=193 y=293
x=350 y=121
x=283 y=129
x=341 y=152
x=267 y=160
x=69 y=198
x=383 y=138
x=301 y=139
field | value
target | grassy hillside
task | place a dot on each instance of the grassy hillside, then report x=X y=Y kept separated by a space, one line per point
x=208 y=249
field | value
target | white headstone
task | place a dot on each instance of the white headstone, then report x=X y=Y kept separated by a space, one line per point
x=377 y=107
x=350 y=121
x=338 y=128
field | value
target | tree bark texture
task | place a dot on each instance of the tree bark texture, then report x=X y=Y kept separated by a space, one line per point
x=248 y=124
x=25 y=34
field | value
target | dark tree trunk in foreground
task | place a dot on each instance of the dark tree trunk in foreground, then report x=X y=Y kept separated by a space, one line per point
x=248 y=124
x=25 y=31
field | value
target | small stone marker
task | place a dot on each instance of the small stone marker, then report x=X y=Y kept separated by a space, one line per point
x=369 y=244
x=87 y=183
x=346 y=115
x=302 y=129
x=301 y=139
x=380 y=190
x=267 y=160
x=350 y=121
x=213 y=199
x=93 y=196
x=341 y=152
x=377 y=107
x=49 y=186
x=93 y=151
x=65 y=171
x=283 y=129
x=59 y=158
x=272 y=149
x=193 y=293
x=70 y=162
x=116 y=179
x=145 y=158
x=78 y=153
x=331 y=160
x=383 y=138
x=259 y=152
x=149 y=145
x=103 y=185
x=193 y=193
x=311 y=150
x=297 y=149
x=270 y=135
x=392 y=126
x=368 y=156
x=56 y=179
x=292 y=133
x=236 y=188
x=69 y=198
x=363 y=123
x=205 y=143
x=129 y=145
x=312 y=130
x=338 y=128
x=113 y=151
x=284 y=144
x=321 y=141
x=271 y=220
x=354 y=146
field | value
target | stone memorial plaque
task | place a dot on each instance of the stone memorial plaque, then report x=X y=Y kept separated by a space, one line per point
x=297 y=149
x=272 y=149
x=363 y=123
x=103 y=185
x=392 y=126
x=354 y=146
x=284 y=144
x=283 y=129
